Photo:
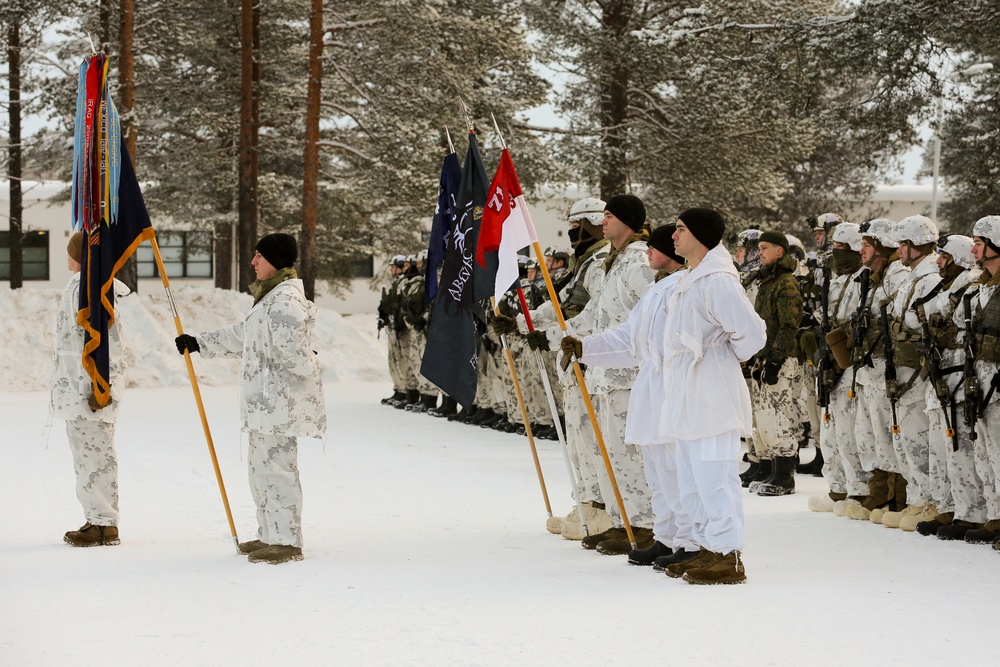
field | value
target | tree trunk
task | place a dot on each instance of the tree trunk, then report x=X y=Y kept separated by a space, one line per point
x=129 y=273
x=247 y=205
x=223 y=251
x=614 y=99
x=14 y=157
x=307 y=263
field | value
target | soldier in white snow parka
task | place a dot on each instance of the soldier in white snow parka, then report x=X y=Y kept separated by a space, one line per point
x=281 y=391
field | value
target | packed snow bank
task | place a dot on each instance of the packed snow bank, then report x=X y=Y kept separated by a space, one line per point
x=348 y=348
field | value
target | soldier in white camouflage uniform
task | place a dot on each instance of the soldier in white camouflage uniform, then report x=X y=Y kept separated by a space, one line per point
x=90 y=428
x=955 y=488
x=627 y=276
x=984 y=310
x=590 y=251
x=281 y=390
x=917 y=238
x=873 y=416
x=842 y=469
x=394 y=325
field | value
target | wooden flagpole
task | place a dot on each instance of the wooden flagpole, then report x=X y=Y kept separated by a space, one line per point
x=540 y=257
x=197 y=392
x=525 y=419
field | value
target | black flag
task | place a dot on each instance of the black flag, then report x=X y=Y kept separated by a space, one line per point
x=452 y=351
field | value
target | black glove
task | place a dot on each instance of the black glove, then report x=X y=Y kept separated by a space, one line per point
x=186 y=342
x=769 y=374
x=503 y=325
x=420 y=324
x=488 y=345
x=537 y=340
x=571 y=347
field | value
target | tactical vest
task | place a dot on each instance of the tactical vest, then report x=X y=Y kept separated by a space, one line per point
x=986 y=325
x=905 y=343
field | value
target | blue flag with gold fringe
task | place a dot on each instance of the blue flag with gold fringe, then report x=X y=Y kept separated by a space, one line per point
x=108 y=205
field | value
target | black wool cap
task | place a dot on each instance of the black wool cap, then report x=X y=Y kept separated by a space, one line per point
x=705 y=224
x=776 y=238
x=629 y=209
x=662 y=239
x=280 y=250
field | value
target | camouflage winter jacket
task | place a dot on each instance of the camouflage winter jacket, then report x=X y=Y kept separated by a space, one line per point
x=779 y=303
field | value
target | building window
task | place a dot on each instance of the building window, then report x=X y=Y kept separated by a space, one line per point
x=185 y=255
x=364 y=267
x=34 y=256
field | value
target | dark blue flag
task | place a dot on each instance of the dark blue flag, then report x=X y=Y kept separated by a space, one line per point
x=104 y=253
x=453 y=338
x=444 y=214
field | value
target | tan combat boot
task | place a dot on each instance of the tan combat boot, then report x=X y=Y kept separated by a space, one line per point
x=276 y=554
x=90 y=535
x=726 y=569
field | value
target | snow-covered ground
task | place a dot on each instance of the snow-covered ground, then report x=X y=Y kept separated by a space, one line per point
x=425 y=545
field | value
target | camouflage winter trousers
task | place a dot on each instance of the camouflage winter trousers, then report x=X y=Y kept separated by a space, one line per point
x=987 y=456
x=397 y=362
x=672 y=522
x=95 y=463
x=276 y=489
x=842 y=467
x=709 y=487
x=415 y=350
x=808 y=407
x=872 y=429
x=626 y=461
x=912 y=444
x=776 y=414
x=954 y=484
x=582 y=447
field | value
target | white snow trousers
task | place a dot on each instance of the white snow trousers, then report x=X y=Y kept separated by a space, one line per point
x=709 y=484
x=672 y=524
x=276 y=489
x=841 y=460
x=987 y=457
x=95 y=463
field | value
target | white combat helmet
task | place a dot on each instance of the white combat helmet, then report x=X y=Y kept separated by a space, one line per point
x=589 y=208
x=960 y=249
x=988 y=228
x=916 y=229
x=422 y=256
x=880 y=229
x=848 y=233
x=824 y=221
x=794 y=242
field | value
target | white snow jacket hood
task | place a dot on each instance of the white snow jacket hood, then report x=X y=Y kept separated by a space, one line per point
x=281 y=383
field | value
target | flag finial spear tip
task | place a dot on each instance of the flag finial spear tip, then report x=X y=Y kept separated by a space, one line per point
x=496 y=127
x=467 y=112
x=448 y=134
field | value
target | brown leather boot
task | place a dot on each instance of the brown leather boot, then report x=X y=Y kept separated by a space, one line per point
x=726 y=569
x=90 y=535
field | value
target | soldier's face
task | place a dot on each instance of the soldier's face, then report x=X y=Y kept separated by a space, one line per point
x=740 y=254
x=685 y=243
x=615 y=230
x=943 y=260
x=867 y=251
x=532 y=274
x=657 y=260
x=262 y=267
x=819 y=236
x=769 y=252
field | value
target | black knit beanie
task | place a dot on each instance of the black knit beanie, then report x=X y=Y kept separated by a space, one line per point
x=775 y=238
x=629 y=209
x=705 y=224
x=279 y=250
x=662 y=239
